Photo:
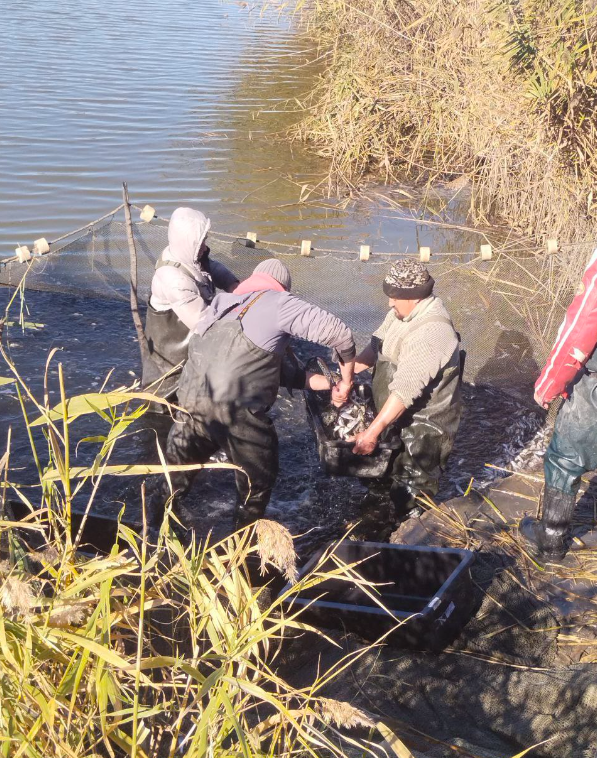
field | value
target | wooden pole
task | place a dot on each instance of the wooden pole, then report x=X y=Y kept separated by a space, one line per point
x=143 y=348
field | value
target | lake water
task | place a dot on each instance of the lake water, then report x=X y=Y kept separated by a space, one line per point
x=186 y=101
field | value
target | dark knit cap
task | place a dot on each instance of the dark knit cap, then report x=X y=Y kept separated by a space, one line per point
x=408 y=279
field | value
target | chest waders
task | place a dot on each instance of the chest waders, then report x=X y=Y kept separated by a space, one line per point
x=168 y=340
x=572 y=452
x=427 y=429
x=227 y=386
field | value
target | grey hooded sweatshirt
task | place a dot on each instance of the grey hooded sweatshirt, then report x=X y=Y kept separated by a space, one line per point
x=181 y=290
x=188 y=286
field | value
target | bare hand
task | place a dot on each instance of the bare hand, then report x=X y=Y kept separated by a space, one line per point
x=541 y=402
x=364 y=443
x=340 y=393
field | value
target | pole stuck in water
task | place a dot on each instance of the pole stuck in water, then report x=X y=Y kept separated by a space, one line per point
x=364 y=252
x=133 y=278
x=424 y=254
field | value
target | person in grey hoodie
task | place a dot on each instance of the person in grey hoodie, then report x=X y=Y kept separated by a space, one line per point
x=183 y=285
x=232 y=377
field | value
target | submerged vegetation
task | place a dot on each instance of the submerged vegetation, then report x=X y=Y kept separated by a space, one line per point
x=496 y=93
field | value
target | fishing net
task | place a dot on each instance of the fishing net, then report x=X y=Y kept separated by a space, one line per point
x=497 y=688
x=505 y=313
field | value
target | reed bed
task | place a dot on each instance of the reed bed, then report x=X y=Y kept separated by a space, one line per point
x=153 y=650
x=498 y=95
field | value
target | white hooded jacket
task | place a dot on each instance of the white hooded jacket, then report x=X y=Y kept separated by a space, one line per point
x=188 y=288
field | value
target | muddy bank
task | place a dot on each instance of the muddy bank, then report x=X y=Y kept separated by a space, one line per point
x=522 y=671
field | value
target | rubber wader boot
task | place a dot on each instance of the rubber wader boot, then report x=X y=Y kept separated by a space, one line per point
x=244 y=515
x=548 y=537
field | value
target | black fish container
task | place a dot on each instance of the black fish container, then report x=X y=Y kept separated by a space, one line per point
x=427 y=592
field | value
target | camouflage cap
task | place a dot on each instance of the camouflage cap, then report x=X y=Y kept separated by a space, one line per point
x=408 y=279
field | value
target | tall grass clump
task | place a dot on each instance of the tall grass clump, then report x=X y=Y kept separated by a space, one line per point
x=152 y=650
x=497 y=92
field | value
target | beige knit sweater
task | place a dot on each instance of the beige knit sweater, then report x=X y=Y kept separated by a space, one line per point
x=419 y=355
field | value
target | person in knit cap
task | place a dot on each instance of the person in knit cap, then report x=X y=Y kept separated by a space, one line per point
x=183 y=285
x=415 y=355
x=231 y=380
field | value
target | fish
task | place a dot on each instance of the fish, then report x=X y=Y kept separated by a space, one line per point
x=354 y=416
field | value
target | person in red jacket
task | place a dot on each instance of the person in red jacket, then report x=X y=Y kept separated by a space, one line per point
x=570 y=372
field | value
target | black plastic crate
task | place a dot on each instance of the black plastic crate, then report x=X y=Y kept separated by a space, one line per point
x=337 y=456
x=427 y=588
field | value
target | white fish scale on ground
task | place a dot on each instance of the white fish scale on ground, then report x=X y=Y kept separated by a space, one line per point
x=515 y=455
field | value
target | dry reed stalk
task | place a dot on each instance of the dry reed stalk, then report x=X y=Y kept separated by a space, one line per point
x=342 y=714
x=437 y=90
x=275 y=546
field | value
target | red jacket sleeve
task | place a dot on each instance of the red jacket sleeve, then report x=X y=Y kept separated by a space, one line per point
x=576 y=340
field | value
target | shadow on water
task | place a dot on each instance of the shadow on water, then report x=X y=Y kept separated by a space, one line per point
x=512 y=364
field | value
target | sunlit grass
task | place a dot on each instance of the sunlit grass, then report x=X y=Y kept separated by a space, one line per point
x=497 y=94
x=152 y=650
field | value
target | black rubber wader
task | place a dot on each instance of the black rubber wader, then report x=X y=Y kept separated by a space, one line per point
x=227 y=385
x=427 y=430
x=168 y=340
x=572 y=452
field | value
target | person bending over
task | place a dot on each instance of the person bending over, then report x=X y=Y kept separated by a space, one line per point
x=231 y=380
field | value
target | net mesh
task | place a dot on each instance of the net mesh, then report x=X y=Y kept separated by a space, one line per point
x=497 y=688
x=505 y=312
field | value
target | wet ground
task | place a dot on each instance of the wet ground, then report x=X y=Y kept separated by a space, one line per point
x=96 y=337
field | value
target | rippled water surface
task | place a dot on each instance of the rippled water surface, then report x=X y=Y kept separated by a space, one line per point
x=181 y=99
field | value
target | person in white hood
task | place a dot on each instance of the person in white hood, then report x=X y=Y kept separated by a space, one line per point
x=183 y=285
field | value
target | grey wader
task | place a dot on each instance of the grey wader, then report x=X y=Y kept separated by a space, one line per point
x=168 y=339
x=227 y=385
x=427 y=430
x=572 y=452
